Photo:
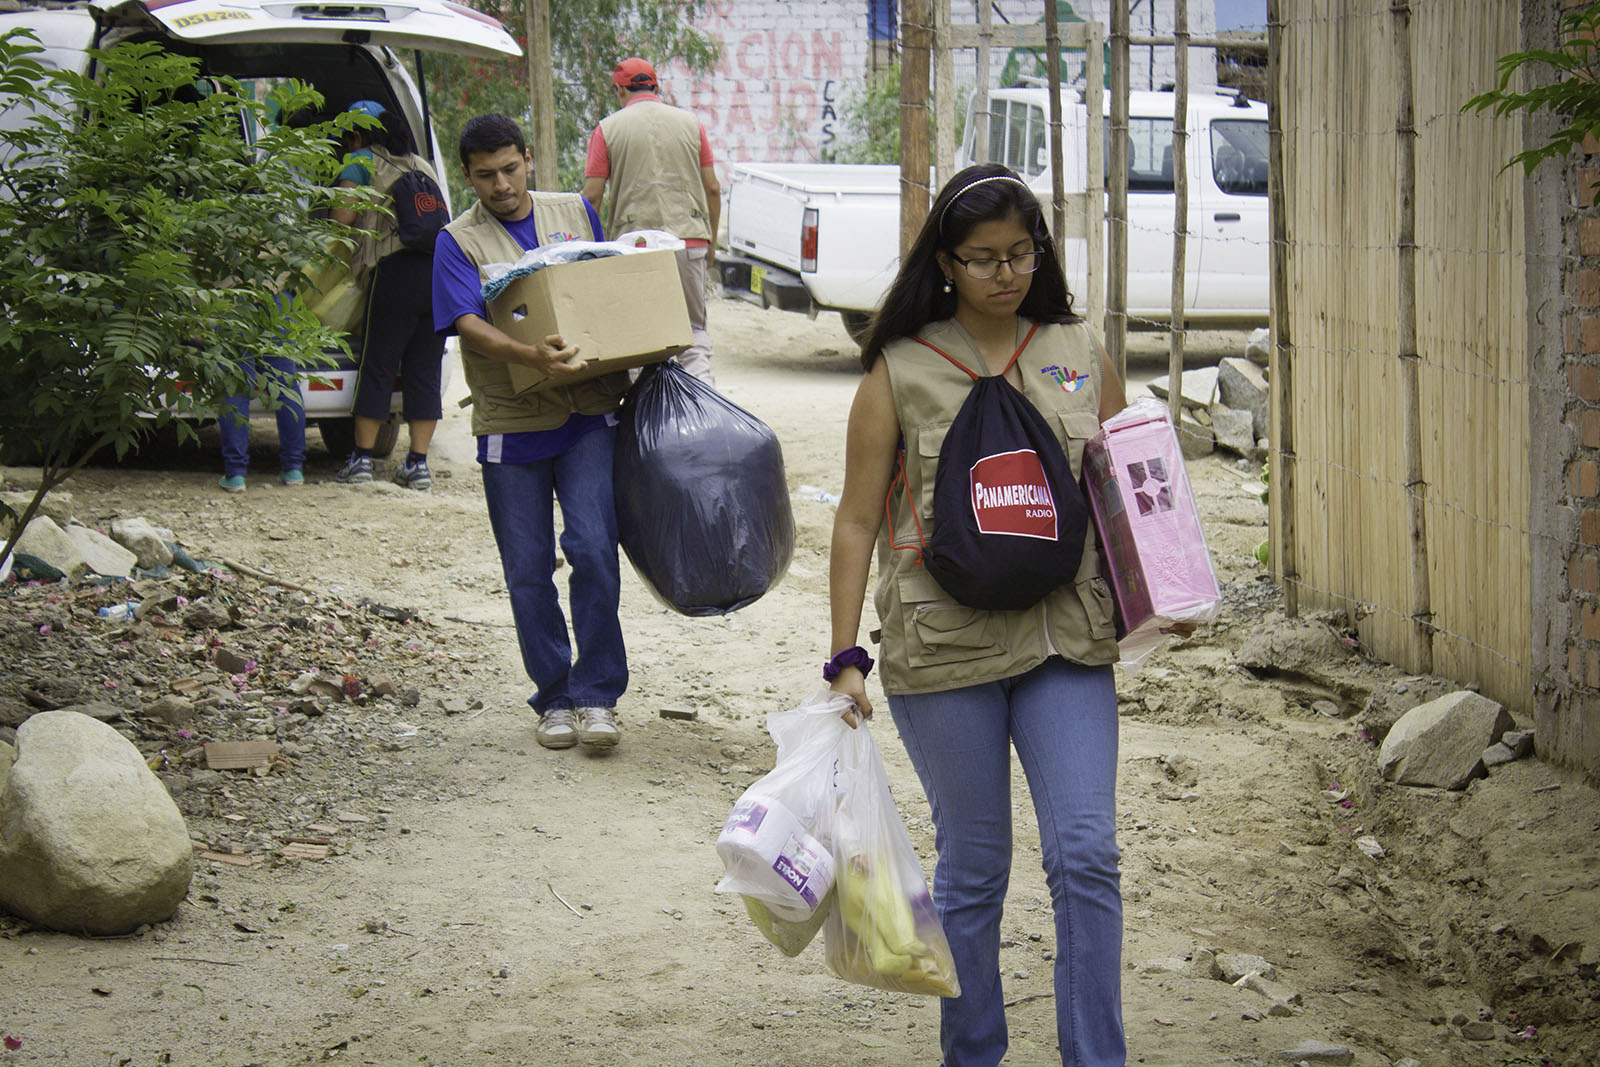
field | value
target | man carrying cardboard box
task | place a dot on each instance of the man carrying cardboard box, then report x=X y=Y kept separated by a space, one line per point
x=535 y=446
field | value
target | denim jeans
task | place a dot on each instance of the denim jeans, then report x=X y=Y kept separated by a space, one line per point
x=1062 y=717
x=235 y=433
x=522 y=515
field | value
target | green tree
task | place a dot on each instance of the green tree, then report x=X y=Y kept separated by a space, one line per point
x=871 y=120
x=145 y=248
x=1572 y=97
x=586 y=41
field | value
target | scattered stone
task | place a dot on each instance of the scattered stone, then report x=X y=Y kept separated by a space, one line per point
x=1312 y=1051
x=171 y=709
x=230 y=662
x=90 y=840
x=98 y=710
x=143 y=540
x=1199 y=387
x=101 y=553
x=1497 y=754
x=1478 y=1030
x=1370 y=846
x=203 y=614
x=1162 y=965
x=1441 y=743
x=57 y=505
x=1291 y=647
x=1195 y=440
x=1258 y=349
x=381 y=685
x=1242 y=386
x=49 y=543
x=1274 y=991
x=1520 y=742
x=1233 y=431
x=1232 y=966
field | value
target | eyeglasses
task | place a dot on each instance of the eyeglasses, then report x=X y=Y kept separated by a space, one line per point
x=983 y=269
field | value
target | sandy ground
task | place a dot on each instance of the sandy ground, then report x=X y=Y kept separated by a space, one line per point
x=509 y=905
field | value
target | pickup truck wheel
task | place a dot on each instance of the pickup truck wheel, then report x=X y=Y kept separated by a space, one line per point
x=340 y=436
x=856 y=324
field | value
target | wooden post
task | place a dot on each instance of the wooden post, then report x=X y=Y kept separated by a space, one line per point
x=1058 y=188
x=1406 y=310
x=944 y=96
x=541 y=95
x=1280 y=495
x=1116 y=324
x=1094 y=201
x=1180 y=205
x=915 y=23
x=980 y=93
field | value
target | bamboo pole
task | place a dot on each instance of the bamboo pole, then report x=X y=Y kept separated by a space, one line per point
x=915 y=45
x=1116 y=324
x=541 y=95
x=1094 y=203
x=1280 y=494
x=1411 y=410
x=980 y=93
x=944 y=96
x=1180 y=206
x=1058 y=187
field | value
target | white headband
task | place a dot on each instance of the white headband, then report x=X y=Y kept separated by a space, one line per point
x=969 y=185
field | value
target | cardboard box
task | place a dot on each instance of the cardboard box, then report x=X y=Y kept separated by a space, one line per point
x=621 y=311
x=1150 y=536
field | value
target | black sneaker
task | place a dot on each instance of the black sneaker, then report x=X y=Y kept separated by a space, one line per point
x=414 y=475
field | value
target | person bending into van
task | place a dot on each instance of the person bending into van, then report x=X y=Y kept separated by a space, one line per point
x=658 y=163
x=535 y=447
x=398 y=338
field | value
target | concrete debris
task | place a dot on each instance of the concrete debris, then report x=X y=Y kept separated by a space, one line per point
x=1441 y=743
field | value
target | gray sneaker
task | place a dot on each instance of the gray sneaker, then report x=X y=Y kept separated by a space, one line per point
x=558 y=728
x=414 y=475
x=356 y=471
x=597 y=727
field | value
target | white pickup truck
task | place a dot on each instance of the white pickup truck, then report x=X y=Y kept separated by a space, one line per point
x=820 y=237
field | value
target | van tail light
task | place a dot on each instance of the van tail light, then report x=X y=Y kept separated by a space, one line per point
x=808 y=240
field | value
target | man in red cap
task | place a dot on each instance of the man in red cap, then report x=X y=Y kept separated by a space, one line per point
x=659 y=166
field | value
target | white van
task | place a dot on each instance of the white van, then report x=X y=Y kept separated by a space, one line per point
x=349 y=51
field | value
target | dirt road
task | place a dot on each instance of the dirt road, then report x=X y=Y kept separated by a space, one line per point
x=489 y=902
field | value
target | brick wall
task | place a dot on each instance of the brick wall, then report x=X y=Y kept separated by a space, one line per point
x=1581 y=404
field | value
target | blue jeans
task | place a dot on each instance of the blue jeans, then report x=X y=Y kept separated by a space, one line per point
x=234 y=430
x=522 y=515
x=1062 y=717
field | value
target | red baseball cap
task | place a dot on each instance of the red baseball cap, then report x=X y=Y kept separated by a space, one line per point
x=634 y=73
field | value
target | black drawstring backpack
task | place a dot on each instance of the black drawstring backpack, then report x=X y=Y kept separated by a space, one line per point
x=1008 y=517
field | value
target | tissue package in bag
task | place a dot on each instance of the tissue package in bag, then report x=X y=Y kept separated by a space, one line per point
x=775 y=843
x=883 y=931
x=702 y=502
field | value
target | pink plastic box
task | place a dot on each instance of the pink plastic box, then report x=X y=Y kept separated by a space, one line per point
x=1148 y=526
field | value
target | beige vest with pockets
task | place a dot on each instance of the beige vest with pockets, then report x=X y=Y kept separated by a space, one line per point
x=496 y=406
x=930 y=643
x=655 y=171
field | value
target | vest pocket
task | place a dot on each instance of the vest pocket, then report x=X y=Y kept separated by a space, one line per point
x=1078 y=426
x=939 y=630
x=1095 y=595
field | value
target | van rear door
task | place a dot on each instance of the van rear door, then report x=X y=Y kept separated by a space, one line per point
x=430 y=25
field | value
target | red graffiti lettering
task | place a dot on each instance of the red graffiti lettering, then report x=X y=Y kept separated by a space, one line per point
x=827 y=54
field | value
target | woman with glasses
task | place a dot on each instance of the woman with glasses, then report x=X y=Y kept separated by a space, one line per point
x=983 y=287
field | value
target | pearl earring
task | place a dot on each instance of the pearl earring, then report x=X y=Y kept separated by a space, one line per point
x=947 y=285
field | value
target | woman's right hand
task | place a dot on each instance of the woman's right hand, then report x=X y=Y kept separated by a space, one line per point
x=850 y=683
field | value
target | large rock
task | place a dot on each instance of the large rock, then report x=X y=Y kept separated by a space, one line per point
x=143 y=540
x=1441 y=743
x=103 y=555
x=1234 y=430
x=1242 y=386
x=57 y=504
x=47 y=541
x=1199 y=387
x=90 y=841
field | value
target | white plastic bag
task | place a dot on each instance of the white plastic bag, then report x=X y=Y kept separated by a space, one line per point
x=882 y=931
x=775 y=844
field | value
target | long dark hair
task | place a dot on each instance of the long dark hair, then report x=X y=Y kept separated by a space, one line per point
x=917 y=296
x=392 y=134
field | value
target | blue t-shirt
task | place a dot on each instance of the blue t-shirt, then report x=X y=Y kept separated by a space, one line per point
x=458 y=291
x=357 y=172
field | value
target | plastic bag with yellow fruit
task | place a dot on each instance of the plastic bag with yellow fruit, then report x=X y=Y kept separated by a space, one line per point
x=883 y=931
x=336 y=298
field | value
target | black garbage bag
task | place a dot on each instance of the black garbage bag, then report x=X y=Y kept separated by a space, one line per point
x=702 y=502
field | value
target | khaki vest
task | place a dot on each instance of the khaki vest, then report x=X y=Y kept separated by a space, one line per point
x=930 y=642
x=655 y=171
x=386 y=170
x=496 y=406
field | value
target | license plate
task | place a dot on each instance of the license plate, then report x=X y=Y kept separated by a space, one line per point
x=756 y=274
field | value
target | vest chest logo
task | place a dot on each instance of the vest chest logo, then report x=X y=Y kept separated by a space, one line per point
x=1011 y=496
x=556 y=237
x=1069 y=380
